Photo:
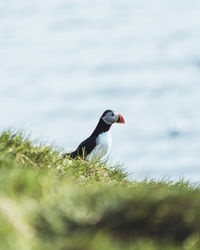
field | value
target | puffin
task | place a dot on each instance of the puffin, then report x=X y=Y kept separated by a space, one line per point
x=98 y=144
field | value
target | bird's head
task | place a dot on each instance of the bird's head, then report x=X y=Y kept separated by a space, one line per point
x=110 y=117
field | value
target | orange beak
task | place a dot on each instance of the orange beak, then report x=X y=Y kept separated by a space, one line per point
x=120 y=119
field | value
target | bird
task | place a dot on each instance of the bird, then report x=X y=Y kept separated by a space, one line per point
x=99 y=142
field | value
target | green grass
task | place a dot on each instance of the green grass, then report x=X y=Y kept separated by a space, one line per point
x=47 y=202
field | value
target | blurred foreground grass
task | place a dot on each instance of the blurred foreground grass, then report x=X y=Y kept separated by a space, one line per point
x=50 y=203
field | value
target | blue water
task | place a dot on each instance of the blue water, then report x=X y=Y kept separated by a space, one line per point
x=62 y=63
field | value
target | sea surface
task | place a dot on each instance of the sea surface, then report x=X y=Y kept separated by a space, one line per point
x=63 y=62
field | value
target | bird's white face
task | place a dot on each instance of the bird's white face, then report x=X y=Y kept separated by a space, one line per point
x=111 y=117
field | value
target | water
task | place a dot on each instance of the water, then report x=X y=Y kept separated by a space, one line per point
x=62 y=63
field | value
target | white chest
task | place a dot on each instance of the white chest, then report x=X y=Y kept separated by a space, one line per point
x=103 y=146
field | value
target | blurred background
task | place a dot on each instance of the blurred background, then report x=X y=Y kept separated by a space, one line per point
x=63 y=62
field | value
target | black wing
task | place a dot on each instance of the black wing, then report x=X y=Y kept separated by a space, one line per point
x=84 y=149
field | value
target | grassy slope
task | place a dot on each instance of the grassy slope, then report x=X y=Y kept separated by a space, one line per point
x=50 y=203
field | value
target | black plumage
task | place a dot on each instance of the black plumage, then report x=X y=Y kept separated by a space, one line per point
x=87 y=146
